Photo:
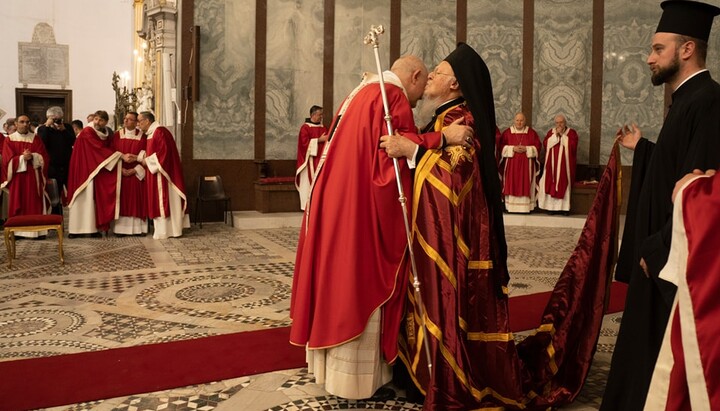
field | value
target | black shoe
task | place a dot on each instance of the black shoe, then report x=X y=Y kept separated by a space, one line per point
x=41 y=237
x=96 y=235
x=384 y=394
x=70 y=235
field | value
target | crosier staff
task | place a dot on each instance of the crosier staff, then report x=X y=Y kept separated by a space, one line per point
x=372 y=39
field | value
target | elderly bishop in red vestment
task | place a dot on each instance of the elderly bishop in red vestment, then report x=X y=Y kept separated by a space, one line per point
x=352 y=238
x=519 y=165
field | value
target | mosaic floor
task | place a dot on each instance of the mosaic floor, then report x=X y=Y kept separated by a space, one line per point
x=126 y=291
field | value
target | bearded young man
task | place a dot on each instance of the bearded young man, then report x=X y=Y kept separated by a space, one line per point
x=689 y=139
x=93 y=180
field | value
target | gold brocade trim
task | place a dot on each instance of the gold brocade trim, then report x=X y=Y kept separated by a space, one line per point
x=458 y=154
x=460 y=242
x=445 y=165
x=551 y=355
x=465 y=190
x=435 y=256
x=480 y=264
x=490 y=337
x=442 y=188
x=460 y=374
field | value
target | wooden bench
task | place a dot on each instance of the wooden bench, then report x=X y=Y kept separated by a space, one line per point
x=33 y=222
x=276 y=194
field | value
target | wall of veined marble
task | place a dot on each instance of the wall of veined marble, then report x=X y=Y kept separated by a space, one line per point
x=428 y=29
x=224 y=118
x=562 y=69
x=628 y=94
x=495 y=31
x=294 y=72
x=353 y=19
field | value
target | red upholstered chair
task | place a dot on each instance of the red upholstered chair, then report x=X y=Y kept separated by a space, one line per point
x=36 y=222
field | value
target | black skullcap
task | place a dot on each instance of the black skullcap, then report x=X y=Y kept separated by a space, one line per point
x=687 y=18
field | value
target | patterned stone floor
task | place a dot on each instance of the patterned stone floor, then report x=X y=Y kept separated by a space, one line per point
x=126 y=291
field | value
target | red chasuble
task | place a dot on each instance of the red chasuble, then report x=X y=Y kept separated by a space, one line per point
x=519 y=171
x=352 y=237
x=686 y=372
x=90 y=157
x=27 y=189
x=161 y=144
x=475 y=361
x=560 y=159
x=133 y=194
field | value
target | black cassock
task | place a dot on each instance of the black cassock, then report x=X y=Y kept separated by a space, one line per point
x=689 y=139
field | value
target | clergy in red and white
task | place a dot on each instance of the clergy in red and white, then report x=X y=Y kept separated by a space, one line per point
x=559 y=174
x=311 y=140
x=519 y=165
x=93 y=179
x=167 y=201
x=131 y=141
x=686 y=372
x=24 y=172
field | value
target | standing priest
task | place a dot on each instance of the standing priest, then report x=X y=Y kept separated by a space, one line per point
x=689 y=139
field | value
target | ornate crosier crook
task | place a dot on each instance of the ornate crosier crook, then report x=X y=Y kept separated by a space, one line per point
x=372 y=39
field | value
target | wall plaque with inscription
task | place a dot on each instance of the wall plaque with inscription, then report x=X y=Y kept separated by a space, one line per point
x=42 y=61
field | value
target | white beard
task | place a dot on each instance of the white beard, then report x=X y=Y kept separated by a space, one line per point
x=425 y=110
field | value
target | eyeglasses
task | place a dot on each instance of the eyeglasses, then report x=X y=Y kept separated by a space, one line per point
x=436 y=73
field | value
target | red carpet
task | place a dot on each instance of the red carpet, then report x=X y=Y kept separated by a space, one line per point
x=74 y=378
x=527 y=310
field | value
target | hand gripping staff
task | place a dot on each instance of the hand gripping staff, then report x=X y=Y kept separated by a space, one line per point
x=372 y=39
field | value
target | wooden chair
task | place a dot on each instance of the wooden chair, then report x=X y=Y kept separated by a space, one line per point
x=210 y=189
x=35 y=222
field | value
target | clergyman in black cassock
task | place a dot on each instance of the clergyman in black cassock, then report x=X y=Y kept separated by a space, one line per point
x=689 y=139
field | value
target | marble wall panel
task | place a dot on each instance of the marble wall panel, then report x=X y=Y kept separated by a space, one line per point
x=294 y=71
x=224 y=116
x=495 y=31
x=628 y=94
x=562 y=67
x=428 y=29
x=353 y=19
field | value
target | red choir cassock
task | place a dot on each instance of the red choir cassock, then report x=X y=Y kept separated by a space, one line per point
x=309 y=152
x=519 y=170
x=352 y=237
x=306 y=151
x=161 y=144
x=26 y=188
x=686 y=372
x=133 y=194
x=560 y=159
x=90 y=157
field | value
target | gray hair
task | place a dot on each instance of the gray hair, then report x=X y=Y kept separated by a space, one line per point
x=55 y=111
